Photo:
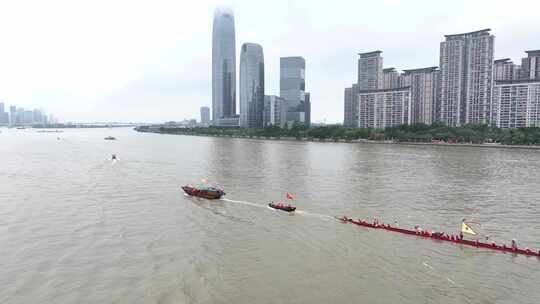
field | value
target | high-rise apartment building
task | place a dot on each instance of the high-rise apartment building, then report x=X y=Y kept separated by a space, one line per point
x=251 y=86
x=223 y=66
x=348 y=108
x=4 y=117
x=12 y=115
x=292 y=87
x=370 y=77
x=516 y=103
x=275 y=111
x=350 y=118
x=423 y=84
x=466 y=63
x=307 y=108
x=370 y=71
x=531 y=65
x=384 y=108
x=37 y=116
x=205 y=115
x=391 y=78
x=505 y=69
x=28 y=117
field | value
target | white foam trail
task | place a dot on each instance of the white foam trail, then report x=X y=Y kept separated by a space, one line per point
x=299 y=212
x=450 y=280
x=242 y=202
x=427 y=265
x=313 y=214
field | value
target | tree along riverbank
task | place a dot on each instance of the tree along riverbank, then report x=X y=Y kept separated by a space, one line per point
x=419 y=134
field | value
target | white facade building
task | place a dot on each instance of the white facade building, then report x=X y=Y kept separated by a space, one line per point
x=516 y=103
x=466 y=63
x=384 y=108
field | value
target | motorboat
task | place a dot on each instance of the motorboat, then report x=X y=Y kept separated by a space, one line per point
x=282 y=206
x=204 y=192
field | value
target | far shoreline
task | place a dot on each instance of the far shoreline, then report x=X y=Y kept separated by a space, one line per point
x=354 y=141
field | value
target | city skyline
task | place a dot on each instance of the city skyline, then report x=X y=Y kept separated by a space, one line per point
x=154 y=78
x=14 y=115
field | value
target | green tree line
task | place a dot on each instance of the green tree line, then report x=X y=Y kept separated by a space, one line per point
x=475 y=134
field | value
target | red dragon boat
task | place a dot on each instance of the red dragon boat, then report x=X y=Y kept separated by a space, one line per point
x=442 y=237
x=204 y=192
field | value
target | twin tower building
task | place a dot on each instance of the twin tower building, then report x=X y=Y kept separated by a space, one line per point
x=257 y=110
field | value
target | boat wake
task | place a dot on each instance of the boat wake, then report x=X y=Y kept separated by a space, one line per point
x=427 y=265
x=299 y=212
x=243 y=203
x=313 y=214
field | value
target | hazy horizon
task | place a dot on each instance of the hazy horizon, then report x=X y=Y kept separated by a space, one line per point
x=151 y=61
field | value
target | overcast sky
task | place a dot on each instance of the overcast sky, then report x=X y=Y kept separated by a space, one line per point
x=150 y=61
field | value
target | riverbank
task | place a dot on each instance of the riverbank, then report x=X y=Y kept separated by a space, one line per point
x=334 y=140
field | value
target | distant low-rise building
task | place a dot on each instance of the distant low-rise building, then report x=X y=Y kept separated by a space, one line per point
x=205 y=115
x=275 y=111
x=229 y=122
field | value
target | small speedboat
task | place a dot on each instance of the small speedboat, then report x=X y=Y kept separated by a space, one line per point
x=110 y=138
x=282 y=206
x=204 y=192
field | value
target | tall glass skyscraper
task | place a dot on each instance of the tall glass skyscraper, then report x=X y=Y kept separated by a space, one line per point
x=223 y=66
x=292 y=87
x=251 y=86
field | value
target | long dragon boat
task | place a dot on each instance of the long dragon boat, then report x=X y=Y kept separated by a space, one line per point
x=442 y=237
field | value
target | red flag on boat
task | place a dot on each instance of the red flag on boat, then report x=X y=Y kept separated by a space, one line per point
x=289 y=196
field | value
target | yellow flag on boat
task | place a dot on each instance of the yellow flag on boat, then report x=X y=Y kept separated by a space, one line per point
x=466 y=229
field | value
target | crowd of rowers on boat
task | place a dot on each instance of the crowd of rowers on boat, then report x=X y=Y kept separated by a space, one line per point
x=456 y=238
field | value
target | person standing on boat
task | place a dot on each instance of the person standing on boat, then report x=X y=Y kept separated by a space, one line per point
x=514 y=244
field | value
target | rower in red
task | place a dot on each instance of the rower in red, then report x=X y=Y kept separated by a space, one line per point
x=514 y=244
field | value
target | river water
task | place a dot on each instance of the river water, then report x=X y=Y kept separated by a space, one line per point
x=77 y=227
